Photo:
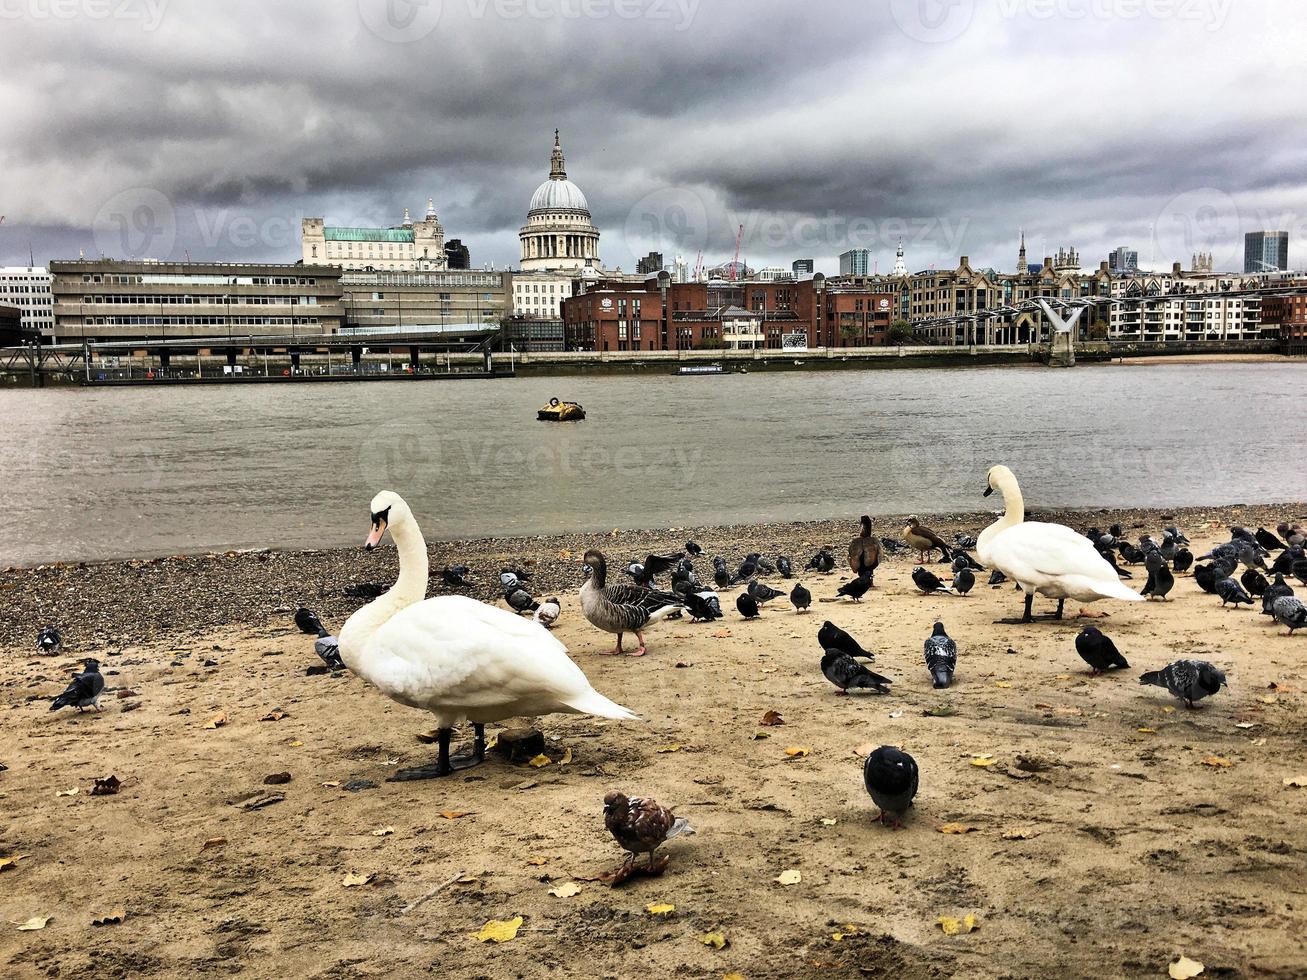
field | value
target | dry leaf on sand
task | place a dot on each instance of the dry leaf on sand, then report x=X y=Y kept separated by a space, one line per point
x=954 y=927
x=34 y=923
x=660 y=908
x=353 y=880
x=790 y=876
x=566 y=890
x=958 y=828
x=499 y=930
x=716 y=940
x=1184 y=969
x=217 y=721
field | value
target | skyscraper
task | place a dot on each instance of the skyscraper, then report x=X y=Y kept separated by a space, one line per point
x=1122 y=260
x=1266 y=251
x=802 y=267
x=855 y=262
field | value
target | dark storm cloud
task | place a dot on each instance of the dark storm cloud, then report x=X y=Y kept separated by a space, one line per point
x=1164 y=124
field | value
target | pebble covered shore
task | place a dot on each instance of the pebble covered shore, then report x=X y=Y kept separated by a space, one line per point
x=126 y=602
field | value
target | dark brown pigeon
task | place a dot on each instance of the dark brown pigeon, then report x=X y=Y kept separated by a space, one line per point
x=641 y=825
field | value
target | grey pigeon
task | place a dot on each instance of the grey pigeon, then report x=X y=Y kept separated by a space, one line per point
x=784 y=567
x=855 y=588
x=845 y=672
x=747 y=605
x=800 y=597
x=762 y=592
x=1098 y=650
x=1274 y=591
x=941 y=657
x=703 y=607
x=1177 y=534
x=1289 y=611
x=521 y=601
x=891 y=777
x=831 y=637
x=927 y=581
x=1231 y=591
x=1188 y=680
x=1184 y=558
x=83 y=691
x=325 y=646
x=1160 y=581
x=455 y=575
x=49 y=642
x=964 y=581
x=1254 y=581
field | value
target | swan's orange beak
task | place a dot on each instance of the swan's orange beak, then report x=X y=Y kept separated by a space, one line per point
x=374 y=537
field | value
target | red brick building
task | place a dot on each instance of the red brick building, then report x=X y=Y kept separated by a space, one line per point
x=1288 y=314
x=663 y=315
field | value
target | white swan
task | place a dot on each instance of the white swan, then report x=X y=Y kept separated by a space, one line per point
x=1049 y=559
x=460 y=659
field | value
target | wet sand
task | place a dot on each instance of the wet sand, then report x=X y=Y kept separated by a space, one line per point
x=1113 y=831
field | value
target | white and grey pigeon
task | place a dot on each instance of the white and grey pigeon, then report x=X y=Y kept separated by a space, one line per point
x=83 y=691
x=941 y=657
x=49 y=642
x=325 y=646
x=1289 y=611
x=1188 y=680
x=547 y=614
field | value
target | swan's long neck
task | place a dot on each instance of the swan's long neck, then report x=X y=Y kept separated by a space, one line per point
x=1014 y=513
x=410 y=587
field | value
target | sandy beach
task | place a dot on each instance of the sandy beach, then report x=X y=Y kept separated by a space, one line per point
x=1105 y=828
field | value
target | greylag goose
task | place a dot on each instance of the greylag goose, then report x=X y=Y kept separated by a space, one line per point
x=619 y=608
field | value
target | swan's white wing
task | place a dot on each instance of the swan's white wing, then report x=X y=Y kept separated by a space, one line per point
x=461 y=658
x=1038 y=554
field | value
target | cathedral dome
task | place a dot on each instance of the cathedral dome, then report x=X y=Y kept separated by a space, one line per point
x=559 y=194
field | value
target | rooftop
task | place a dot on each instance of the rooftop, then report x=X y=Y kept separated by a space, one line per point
x=367 y=234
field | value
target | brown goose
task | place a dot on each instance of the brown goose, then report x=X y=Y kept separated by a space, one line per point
x=620 y=608
x=864 y=552
x=923 y=540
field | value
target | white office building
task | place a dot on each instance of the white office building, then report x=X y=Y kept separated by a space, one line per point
x=28 y=288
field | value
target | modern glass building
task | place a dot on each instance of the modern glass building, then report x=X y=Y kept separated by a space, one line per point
x=855 y=262
x=1266 y=251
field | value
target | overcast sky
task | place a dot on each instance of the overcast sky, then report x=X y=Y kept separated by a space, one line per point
x=161 y=127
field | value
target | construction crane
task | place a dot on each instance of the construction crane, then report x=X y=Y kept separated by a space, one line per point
x=735 y=263
x=698 y=266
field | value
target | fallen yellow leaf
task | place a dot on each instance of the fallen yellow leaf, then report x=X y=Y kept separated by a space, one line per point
x=671 y=748
x=566 y=757
x=499 y=930
x=1268 y=699
x=383 y=831
x=1184 y=968
x=953 y=927
x=659 y=908
x=759 y=736
x=566 y=890
x=957 y=828
x=1146 y=731
x=34 y=923
x=733 y=976
x=9 y=862
x=848 y=929
x=1003 y=684
x=217 y=721
x=296 y=744
x=537 y=861
x=455 y=814
x=1168 y=710
x=828 y=821
x=1217 y=761
x=798 y=751
x=540 y=761
x=714 y=939
x=983 y=761
x=352 y=880
x=789 y=877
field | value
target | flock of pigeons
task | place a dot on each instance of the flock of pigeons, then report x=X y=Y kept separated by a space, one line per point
x=890 y=775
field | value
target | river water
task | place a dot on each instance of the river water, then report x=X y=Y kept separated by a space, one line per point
x=91 y=474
